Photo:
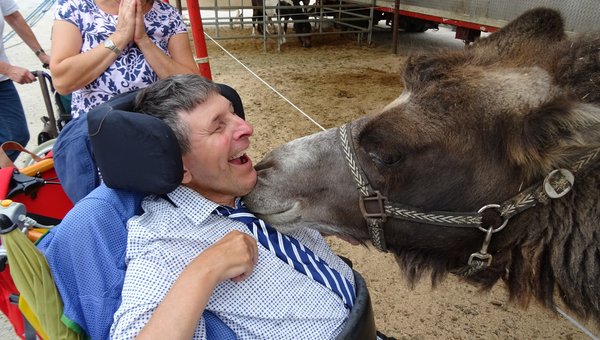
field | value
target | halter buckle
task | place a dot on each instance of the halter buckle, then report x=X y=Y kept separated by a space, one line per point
x=558 y=183
x=379 y=201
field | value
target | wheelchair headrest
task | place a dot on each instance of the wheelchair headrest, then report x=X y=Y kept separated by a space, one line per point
x=134 y=151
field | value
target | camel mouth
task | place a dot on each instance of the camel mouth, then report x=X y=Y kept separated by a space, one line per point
x=343 y=237
x=349 y=239
x=285 y=216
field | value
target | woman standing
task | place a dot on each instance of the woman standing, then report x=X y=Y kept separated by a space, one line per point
x=105 y=47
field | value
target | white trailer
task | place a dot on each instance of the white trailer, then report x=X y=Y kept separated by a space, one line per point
x=471 y=17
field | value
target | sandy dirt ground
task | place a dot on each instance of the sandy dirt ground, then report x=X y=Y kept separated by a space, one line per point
x=333 y=82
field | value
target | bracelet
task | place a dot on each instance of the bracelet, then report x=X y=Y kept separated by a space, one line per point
x=39 y=51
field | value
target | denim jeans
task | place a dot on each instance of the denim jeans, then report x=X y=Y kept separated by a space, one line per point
x=13 y=125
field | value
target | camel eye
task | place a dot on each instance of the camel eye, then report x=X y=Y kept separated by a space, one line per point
x=385 y=159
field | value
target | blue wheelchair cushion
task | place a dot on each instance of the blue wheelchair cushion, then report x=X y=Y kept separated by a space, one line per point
x=134 y=151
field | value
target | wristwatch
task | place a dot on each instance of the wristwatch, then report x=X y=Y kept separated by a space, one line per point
x=39 y=51
x=108 y=43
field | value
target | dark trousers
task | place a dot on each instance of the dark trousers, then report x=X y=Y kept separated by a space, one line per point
x=13 y=125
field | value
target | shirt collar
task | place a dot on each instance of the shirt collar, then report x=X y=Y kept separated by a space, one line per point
x=192 y=204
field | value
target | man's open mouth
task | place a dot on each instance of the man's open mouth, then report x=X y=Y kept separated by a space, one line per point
x=240 y=158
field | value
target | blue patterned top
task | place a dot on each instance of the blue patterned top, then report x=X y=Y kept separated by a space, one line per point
x=130 y=71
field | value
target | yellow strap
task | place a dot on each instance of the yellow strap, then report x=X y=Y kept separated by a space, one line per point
x=32 y=318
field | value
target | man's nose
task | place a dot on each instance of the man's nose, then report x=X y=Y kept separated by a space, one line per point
x=242 y=128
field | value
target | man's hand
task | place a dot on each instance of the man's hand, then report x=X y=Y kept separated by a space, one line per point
x=232 y=257
x=20 y=75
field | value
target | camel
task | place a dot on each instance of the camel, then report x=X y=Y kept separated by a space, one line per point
x=283 y=12
x=485 y=166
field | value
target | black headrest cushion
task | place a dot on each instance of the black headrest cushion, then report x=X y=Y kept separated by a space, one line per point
x=134 y=151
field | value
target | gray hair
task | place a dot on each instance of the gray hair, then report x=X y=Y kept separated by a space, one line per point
x=169 y=97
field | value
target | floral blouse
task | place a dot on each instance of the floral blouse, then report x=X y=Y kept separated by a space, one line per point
x=130 y=71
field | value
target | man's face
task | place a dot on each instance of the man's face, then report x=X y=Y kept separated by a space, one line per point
x=217 y=165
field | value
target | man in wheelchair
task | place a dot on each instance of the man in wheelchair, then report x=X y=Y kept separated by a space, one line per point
x=197 y=263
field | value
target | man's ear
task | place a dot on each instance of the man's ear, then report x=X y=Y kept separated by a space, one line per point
x=187 y=175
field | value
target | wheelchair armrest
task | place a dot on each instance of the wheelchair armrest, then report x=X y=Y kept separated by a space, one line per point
x=361 y=321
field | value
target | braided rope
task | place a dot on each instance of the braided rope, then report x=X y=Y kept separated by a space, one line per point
x=410 y=214
x=520 y=202
x=467 y=220
x=376 y=232
x=354 y=168
x=584 y=161
x=377 y=235
x=531 y=197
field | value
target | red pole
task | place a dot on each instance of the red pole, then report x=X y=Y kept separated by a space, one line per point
x=199 y=42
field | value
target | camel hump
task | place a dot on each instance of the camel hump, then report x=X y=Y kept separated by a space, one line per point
x=539 y=23
x=526 y=40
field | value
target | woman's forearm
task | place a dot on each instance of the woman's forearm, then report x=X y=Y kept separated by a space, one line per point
x=75 y=72
x=180 y=60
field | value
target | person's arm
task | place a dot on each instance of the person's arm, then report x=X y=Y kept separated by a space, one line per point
x=20 y=26
x=177 y=316
x=180 y=61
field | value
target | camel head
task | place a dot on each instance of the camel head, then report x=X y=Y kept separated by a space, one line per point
x=471 y=128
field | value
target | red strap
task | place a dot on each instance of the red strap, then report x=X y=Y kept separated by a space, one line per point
x=5 y=177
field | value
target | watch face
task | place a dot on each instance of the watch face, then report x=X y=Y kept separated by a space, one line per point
x=111 y=46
